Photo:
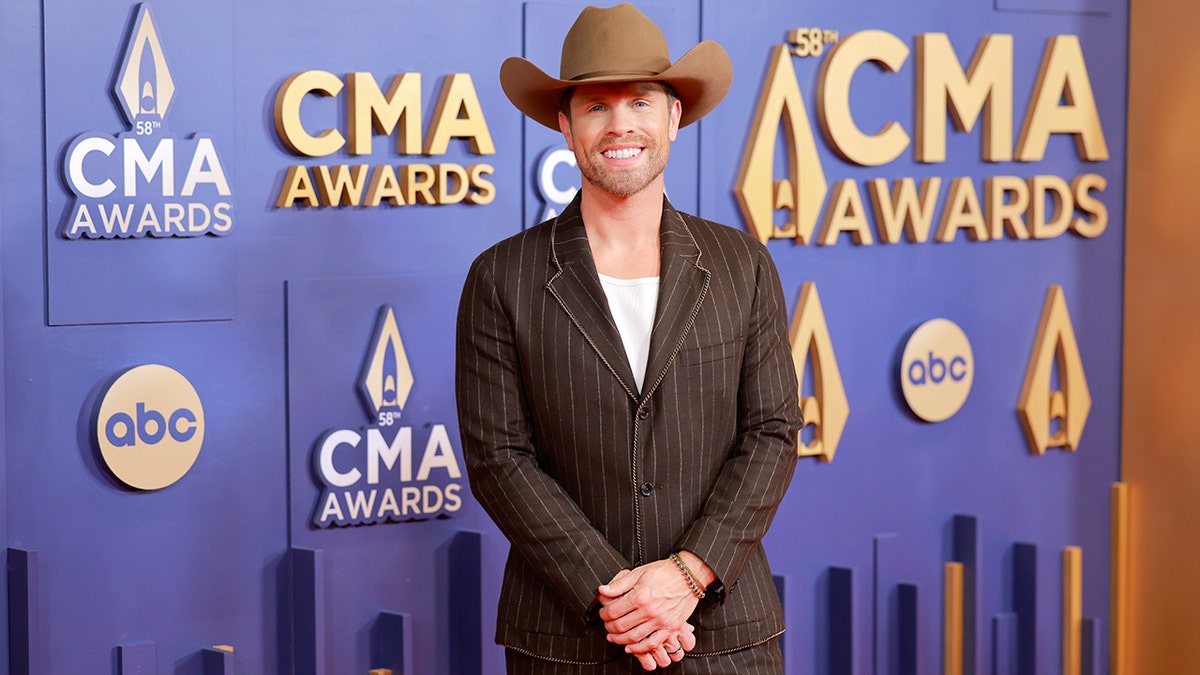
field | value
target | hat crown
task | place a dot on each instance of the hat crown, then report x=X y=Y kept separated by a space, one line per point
x=606 y=42
x=619 y=44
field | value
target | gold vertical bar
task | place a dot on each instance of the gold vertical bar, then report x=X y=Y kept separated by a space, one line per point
x=1118 y=638
x=952 y=656
x=1072 y=582
x=380 y=671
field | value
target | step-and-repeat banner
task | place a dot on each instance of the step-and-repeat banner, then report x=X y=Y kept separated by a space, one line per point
x=235 y=237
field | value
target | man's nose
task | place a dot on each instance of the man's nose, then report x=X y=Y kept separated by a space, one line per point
x=621 y=121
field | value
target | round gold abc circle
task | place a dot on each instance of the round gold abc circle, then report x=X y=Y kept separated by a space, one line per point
x=150 y=427
x=936 y=370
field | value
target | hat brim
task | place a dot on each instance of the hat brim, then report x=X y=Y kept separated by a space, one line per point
x=701 y=78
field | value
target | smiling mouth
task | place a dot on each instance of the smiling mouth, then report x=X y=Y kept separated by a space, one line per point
x=623 y=153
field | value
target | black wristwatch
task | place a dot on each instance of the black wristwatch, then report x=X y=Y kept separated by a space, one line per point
x=715 y=592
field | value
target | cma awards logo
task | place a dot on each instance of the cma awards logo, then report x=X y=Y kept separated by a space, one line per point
x=553 y=194
x=809 y=203
x=1054 y=418
x=145 y=182
x=370 y=475
x=826 y=409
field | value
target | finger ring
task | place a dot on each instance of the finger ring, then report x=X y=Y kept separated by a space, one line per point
x=676 y=650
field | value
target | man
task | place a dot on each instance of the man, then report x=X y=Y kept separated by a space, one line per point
x=626 y=394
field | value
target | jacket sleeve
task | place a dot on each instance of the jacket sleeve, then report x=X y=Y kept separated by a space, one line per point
x=540 y=520
x=754 y=478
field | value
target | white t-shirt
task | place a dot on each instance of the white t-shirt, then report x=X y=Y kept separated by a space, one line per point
x=632 y=303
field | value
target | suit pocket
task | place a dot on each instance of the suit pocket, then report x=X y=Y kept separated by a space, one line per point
x=707 y=354
x=528 y=605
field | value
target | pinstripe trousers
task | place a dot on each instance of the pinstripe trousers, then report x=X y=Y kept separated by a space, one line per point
x=765 y=659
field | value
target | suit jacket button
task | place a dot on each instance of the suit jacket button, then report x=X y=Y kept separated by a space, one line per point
x=647 y=489
x=643 y=413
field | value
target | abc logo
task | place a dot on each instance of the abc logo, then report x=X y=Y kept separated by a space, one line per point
x=936 y=370
x=150 y=427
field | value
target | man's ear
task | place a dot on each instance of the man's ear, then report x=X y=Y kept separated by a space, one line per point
x=676 y=114
x=564 y=125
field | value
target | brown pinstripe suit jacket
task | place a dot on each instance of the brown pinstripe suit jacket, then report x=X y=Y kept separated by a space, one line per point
x=584 y=474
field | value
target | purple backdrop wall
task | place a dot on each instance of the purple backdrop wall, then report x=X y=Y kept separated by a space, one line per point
x=272 y=320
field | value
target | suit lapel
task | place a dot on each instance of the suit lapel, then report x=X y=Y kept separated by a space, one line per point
x=683 y=285
x=576 y=287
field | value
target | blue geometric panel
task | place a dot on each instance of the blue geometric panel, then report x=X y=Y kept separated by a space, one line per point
x=840 y=628
x=897 y=640
x=422 y=563
x=909 y=628
x=23 y=656
x=1089 y=662
x=141 y=217
x=781 y=588
x=966 y=551
x=465 y=602
x=1004 y=644
x=307 y=593
x=217 y=661
x=1024 y=604
x=137 y=658
x=392 y=644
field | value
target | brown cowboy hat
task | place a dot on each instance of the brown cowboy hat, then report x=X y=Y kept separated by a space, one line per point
x=619 y=44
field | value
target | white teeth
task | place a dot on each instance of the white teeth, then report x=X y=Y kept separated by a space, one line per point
x=625 y=153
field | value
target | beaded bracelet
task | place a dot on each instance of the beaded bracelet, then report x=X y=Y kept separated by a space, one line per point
x=688 y=576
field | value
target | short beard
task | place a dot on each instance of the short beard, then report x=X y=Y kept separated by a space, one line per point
x=625 y=182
